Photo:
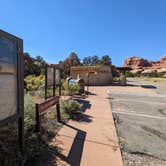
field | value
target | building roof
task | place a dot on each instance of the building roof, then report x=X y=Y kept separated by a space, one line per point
x=86 y=68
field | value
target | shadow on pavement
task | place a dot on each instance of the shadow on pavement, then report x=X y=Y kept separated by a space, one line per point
x=75 y=153
x=82 y=117
x=90 y=93
x=133 y=85
x=118 y=84
x=86 y=104
x=149 y=86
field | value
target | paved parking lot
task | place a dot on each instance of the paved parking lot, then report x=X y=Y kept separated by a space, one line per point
x=140 y=114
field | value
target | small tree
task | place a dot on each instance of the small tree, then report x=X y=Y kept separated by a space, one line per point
x=106 y=60
x=95 y=60
x=72 y=60
x=87 y=61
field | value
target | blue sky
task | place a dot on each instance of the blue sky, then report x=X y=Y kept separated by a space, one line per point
x=120 y=28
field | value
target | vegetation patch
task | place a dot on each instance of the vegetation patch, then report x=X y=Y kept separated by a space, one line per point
x=70 y=89
x=33 y=82
x=71 y=107
x=152 y=79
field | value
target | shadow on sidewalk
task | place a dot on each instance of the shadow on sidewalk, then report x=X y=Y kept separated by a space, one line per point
x=86 y=104
x=75 y=153
x=82 y=117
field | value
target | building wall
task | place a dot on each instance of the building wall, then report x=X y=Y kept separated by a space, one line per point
x=98 y=75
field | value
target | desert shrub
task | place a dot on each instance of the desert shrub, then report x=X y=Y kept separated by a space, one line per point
x=153 y=74
x=115 y=73
x=137 y=75
x=70 y=107
x=29 y=114
x=41 y=92
x=70 y=89
x=34 y=82
x=64 y=86
x=35 y=148
x=9 y=150
x=73 y=89
x=129 y=74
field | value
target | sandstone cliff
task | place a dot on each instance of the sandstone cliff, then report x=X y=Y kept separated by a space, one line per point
x=136 y=63
x=140 y=63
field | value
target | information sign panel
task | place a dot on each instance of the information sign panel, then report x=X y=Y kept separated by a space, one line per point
x=11 y=77
x=57 y=76
x=12 y=82
x=52 y=80
x=8 y=77
x=50 y=76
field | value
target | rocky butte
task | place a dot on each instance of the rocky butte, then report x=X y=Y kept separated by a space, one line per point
x=140 y=63
x=144 y=67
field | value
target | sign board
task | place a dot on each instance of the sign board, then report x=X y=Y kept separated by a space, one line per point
x=53 y=74
x=50 y=76
x=52 y=79
x=11 y=77
x=48 y=103
x=12 y=82
x=41 y=108
x=8 y=78
x=57 y=76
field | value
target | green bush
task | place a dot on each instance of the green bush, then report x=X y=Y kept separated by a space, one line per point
x=29 y=114
x=70 y=89
x=129 y=74
x=71 y=107
x=34 y=82
x=73 y=89
x=41 y=92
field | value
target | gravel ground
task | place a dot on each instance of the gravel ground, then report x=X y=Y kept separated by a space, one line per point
x=140 y=118
x=141 y=160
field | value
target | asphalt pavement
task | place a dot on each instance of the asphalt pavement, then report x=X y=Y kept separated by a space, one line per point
x=139 y=111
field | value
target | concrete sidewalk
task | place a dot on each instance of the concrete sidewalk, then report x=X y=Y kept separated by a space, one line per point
x=90 y=140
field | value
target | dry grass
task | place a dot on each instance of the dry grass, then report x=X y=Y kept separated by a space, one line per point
x=151 y=79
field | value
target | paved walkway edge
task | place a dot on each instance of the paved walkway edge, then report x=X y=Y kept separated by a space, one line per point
x=92 y=139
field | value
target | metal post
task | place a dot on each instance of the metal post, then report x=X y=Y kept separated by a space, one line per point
x=54 y=81
x=60 y=82
x=59 y=90
x=45 y=82
x=88 y=85
x=21 y=95
x=38 y=120
x=21 y=133
x=58 y=112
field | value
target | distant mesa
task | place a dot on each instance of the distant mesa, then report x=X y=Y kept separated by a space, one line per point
x=140 y=63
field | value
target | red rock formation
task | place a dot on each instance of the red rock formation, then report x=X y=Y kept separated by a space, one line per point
x=136 y=63
x=140 y=63
x=159 y=64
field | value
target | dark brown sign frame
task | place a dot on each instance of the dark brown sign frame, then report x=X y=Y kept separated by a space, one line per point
x=54 y=85
x=20 y=88
x=42 y=108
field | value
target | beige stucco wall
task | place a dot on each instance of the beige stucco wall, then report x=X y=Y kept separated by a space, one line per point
x=102 y=75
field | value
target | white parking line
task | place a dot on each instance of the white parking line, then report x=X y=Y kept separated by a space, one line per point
x=142 y=115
